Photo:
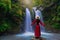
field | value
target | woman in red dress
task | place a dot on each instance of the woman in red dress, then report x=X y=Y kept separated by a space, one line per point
x=37 y=28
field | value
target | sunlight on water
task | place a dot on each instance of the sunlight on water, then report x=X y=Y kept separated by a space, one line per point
x=30 y=34
x=43 y=33
x=26 y=34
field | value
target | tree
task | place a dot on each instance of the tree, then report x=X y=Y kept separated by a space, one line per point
x=9 y=15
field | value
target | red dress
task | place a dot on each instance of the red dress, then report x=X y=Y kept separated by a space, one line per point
x=37 y=28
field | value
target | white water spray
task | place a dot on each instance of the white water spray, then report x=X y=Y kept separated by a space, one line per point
x=28 y=27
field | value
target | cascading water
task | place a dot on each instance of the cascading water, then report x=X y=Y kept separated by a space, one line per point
x=28 y=27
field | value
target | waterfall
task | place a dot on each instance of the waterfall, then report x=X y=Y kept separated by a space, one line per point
x=28 y=27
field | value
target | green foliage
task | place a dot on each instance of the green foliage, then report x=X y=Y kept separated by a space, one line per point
x=57 y=19
x=51 y=13
x=9 y=17
x=4 y=26
x=56 y=26
x=38 y=3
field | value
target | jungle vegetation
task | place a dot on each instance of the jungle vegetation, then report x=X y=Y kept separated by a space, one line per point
x=12 y=14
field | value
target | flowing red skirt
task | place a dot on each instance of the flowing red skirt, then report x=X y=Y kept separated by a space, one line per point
x=37 y=31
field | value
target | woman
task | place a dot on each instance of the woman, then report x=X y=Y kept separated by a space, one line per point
x=37 y=28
